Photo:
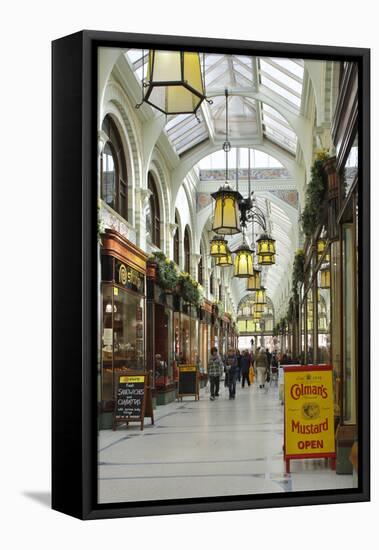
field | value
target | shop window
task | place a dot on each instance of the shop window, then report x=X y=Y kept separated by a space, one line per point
x=350 y=169
x=176 y=241
x=153 y=217
x=323 y=314
x=187 y=251
x=349 y=323
x=122 y=335
x=114 y=178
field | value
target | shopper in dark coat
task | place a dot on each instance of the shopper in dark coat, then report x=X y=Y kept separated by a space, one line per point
x=245 y=366
x=231 y=369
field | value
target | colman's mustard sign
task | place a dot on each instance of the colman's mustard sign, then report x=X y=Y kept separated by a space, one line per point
x=308 y=412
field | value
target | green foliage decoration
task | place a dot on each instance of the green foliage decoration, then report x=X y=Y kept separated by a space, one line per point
x=314 y=198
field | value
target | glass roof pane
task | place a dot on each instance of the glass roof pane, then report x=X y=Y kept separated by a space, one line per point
x=281 y=77
x=258 y=159
x=295 y=67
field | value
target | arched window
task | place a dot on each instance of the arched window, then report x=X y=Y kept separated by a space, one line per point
x=153 y=217
x=187 y=251
x=114 y=177
x=200 y=267
x=176 y=241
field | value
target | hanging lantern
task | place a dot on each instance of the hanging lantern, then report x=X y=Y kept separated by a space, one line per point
x=257 y=316
x=226 y=220
x=254 y=282
x=243 y=263
x=226 y=260
x=266 y=259
x=259 y=308
x=260 y=296
x=266 y=246
x=219 y=247
x=257 y=327
x=174 y=83
x=325 y=278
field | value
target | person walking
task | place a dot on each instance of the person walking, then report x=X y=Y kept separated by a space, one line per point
x=231 y=369
x=261 y=365
x=245 y=367
x=239 y=365
x=215 y=369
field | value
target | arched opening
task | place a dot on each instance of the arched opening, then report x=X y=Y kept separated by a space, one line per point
x=153 y=216
x=187 y=250
x=114 y=176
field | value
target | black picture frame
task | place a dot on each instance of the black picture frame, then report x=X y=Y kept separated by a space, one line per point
x=74 y=233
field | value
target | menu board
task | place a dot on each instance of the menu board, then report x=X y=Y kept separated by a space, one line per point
x=132 y=399
x=188 y=381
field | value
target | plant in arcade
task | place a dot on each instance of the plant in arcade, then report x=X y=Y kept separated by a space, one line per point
x=167 y=272
x=190 y=289
x=314 y=197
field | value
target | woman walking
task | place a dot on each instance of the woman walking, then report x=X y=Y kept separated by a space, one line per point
x=245 y=367
x=261 y=365
x=231 y=368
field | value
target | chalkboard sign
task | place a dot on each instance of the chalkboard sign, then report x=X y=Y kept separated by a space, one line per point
x=188 y=381
x=132 y=399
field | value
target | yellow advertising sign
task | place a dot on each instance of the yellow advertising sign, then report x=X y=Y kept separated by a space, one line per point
x=308 y=412
x=131 y=379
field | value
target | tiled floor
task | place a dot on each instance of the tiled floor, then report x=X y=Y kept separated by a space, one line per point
x=205 y=448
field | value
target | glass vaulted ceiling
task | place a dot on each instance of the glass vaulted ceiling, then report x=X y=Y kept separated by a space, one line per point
x=249 y=117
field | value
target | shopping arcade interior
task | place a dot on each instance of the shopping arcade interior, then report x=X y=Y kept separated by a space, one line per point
x=282 y=114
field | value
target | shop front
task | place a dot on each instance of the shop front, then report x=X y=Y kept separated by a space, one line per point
x=122 y=322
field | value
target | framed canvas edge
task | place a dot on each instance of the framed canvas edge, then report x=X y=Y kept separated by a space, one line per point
x=82 y=503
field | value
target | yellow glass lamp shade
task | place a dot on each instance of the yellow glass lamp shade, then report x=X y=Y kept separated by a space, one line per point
x=219 y=247
x=260 y=296
x=325 y=278
x=243 y=263
x=256 y=316
x=266 y=246
x=266 y=259
x=174 y=83
x=259 y=308
x=226 y=219
x=225 y=261
x=257 y=327
x=254 y=282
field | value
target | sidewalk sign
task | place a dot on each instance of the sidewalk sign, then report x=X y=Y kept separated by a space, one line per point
x=133 y=398
x=308 y=413
x=188 y=383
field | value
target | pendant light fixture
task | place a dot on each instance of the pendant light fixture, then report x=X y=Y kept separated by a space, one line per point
x=225 y=260
x=265 y=259
x=226 y=219
x=266 y=246
x=174 y=82
x=259 y=308
x=243 y=262
x=219 y=247
x=254 y=282
x=260 y=296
